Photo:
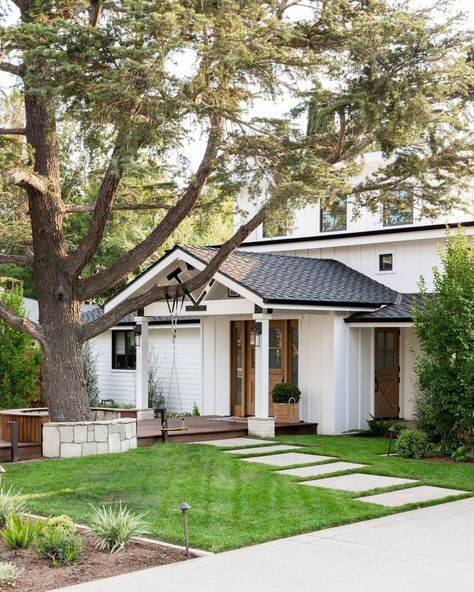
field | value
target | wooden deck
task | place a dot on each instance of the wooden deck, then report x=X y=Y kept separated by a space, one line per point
x=149 y=433
x=209 y=428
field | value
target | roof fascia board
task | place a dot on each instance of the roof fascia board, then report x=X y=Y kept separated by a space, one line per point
x=372 y=324
x=351 y=239
x=318 y=307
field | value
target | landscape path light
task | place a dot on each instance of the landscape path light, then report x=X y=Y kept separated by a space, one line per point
x=184 y=507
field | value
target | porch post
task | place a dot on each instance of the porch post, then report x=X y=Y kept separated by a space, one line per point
x=261 y=372
x=262 y=425
x=141 y=389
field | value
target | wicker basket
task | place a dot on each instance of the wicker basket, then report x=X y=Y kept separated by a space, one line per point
x=287 y=412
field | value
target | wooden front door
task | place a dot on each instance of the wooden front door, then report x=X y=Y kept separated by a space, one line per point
x=387 y=372
x=283 y=362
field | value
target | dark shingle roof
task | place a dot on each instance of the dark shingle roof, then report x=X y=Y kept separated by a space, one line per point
x=92 y=314
x=299 y=280
x=401 y=311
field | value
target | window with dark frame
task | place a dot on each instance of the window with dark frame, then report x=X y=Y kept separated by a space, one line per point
x=334 y=217
x=400 y=211
x=124 y=356
x=386 y=262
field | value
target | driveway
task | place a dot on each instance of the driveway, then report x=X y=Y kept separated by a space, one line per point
x=430 y=550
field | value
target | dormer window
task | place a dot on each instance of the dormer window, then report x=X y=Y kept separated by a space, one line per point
x=399 y=211
x=334 y=216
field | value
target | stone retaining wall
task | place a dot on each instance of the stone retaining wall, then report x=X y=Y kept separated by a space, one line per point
x=71 y=439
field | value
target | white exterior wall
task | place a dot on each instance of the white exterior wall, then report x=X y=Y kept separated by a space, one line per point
x=409 y=348
x=119 y=385
x=215 y=344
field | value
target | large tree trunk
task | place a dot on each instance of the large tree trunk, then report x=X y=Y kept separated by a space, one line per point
x=63 y=379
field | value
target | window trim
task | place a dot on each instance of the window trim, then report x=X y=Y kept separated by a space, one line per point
x=321 y=218
x=387 y=224
x=113 y=361
x=383 y=254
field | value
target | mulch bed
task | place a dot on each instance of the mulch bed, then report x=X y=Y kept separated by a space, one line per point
x=443 y=458
x=39 y=575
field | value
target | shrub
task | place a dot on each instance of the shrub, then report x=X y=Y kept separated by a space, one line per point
x=283 y=391
x=114 y=527
x=10 y=503
x=59 y=542
x=21 y=532
x=20 y=360
x=8 y=572
x=412 y=444
x=444 y=369
x=195 y=412
x=376 y=428
x=461 y=454
x=63 y=524
x=91 y=374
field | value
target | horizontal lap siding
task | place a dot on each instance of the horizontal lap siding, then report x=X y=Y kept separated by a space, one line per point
x=119 y=385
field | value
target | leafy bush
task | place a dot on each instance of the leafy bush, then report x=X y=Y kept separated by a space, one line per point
x=195 y=412
x=59 y=542
x=114 y=527
x=376 y=428
x=10 y=502
x=283 y=391
x=20 y=360
x=8 y=573
x=412 y=444
x=91 y=374
x=461 y=454
x=21 y=532
x=63 y=524
x=444 y=369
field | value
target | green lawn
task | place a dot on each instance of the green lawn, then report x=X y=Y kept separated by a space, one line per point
x=234 y=504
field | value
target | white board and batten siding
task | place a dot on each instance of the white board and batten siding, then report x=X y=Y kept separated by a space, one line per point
x=119 y=385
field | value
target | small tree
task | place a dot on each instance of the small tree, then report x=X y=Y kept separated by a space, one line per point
x=445 y=368
x=91 y=376
x=20 y=359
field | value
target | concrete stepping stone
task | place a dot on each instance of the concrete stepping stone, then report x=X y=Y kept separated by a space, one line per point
x=358 y=482
x=412 y=495
x=287 y=459
x=230 y=442
x=316 y=470
x=261 y=449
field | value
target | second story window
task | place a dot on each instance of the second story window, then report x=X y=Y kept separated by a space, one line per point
x=398 y=211
x=334 y=216
x=123 y=350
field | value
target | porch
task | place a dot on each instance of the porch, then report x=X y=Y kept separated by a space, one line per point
x=210 y=428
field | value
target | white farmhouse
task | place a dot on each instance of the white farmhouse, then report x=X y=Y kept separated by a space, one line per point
x=327 y=306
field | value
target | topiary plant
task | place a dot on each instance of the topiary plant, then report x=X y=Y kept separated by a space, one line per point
x=412 y=444
x=284 y=391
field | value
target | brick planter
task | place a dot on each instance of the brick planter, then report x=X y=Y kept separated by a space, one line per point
x=73 y=439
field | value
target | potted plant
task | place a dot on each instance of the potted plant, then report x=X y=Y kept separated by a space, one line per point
x=286 y=408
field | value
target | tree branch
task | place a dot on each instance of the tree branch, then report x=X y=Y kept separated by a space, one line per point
x=157 y=293
x=103 y=280
x=20 y=323
x=12 y=131
x=23 y=260
x=95 y=10
x=12 y=69
x=24 y=179
x=108 y=188
x=86 y=208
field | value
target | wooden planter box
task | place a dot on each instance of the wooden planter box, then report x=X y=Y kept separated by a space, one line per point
x=286 y=412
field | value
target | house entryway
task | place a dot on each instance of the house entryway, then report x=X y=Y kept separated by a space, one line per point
x=387 y=372
x=282 y=362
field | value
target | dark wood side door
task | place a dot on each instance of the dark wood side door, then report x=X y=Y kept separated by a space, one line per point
x=387 y=372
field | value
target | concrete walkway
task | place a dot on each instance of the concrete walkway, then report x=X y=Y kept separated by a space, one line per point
x=427 y=550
